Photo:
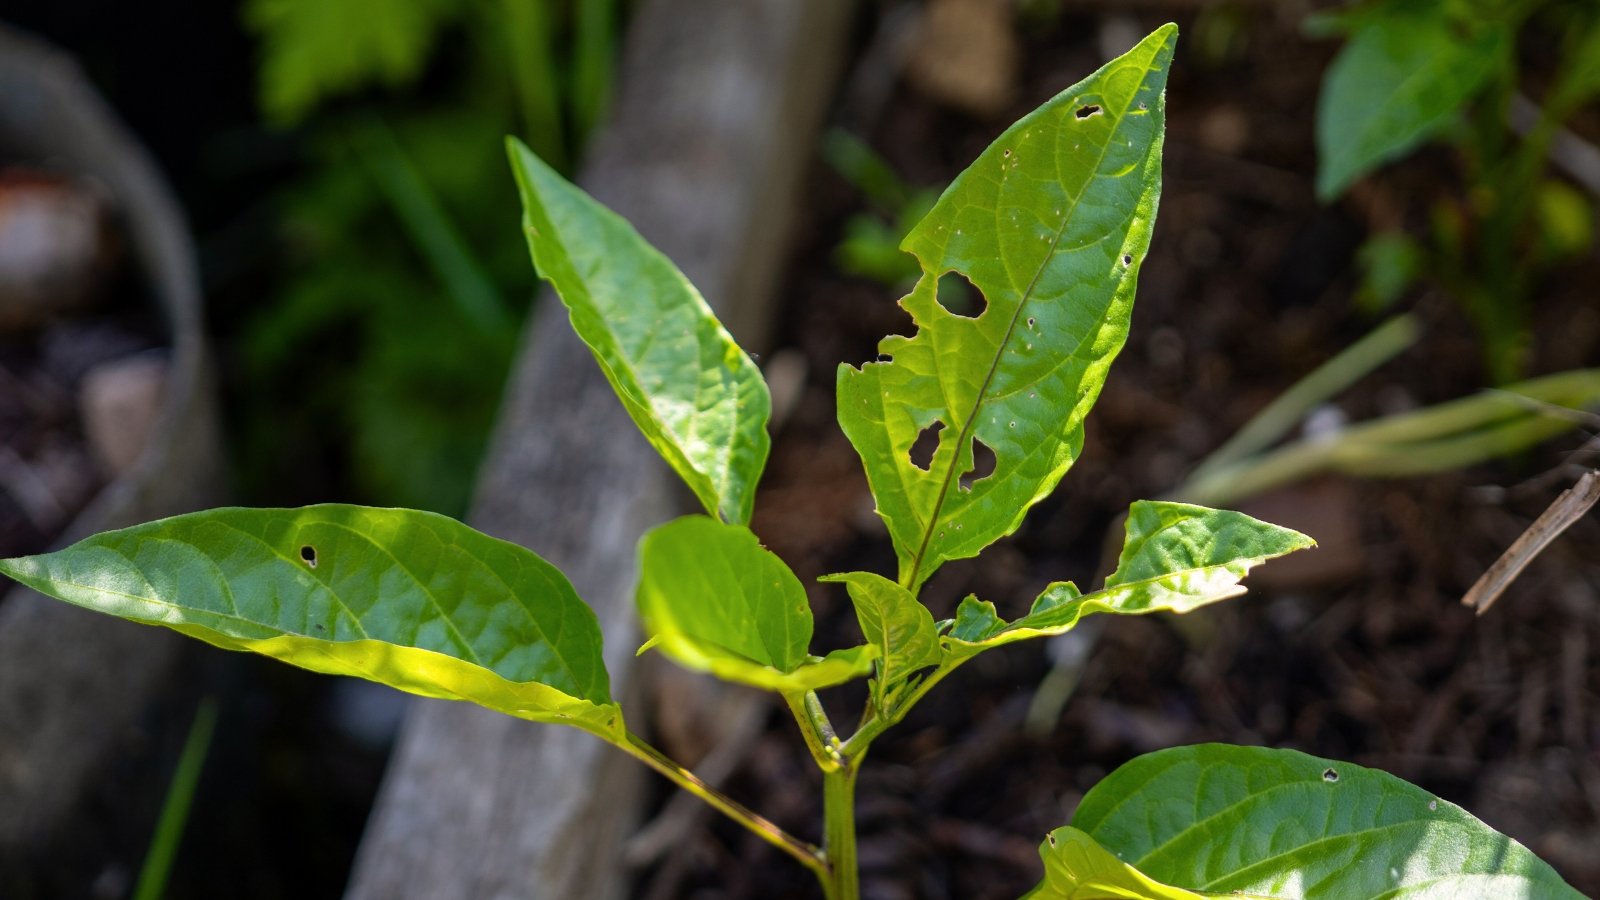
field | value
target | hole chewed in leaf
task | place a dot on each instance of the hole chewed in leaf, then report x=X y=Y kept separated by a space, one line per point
x=983 y=463
x=959 y=297
x=308 y=554
x=1330 y=775
x=926 y=444
x=1085 y=112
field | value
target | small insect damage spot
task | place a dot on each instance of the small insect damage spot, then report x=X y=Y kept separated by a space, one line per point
x=926 y=444
x=308 y=555
x=1330 y=775
x=1085 y=112
x=1051 y=839
x=983 y=463
x=1126 y=260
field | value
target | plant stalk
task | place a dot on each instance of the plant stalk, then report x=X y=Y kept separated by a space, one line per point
x=843 y=881
x=807 y=854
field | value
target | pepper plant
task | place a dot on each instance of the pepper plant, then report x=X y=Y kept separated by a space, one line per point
x=1050 y=225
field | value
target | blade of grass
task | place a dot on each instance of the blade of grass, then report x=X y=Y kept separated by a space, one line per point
x=1327 y=381
x=430 y=228
x=592 y=63
x=530 y=55
x=175 y=808
x=1435 y=439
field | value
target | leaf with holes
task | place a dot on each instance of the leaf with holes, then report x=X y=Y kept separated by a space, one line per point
x=715 y=600
x=1227 y=820
x=410 y=599
x=1050 y=225
x=1077 y=868
x=1403 y=77
x=893 y=621
x=700 y=401
x=1175 y=558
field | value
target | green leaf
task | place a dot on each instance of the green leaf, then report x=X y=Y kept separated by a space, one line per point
x=1050 y=224
x=1175 y=558
x=410 y=599
x=976 y=621
x=893 y=621
x=716 y=601
x=697 y=397
x=313 y=49
x=1077 y=868
x=1407 y=71
x=1279 y=823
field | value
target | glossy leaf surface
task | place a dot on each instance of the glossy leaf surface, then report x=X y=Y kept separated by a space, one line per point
x=1278 y=823
x=1077 y=868
x=893 y=621
x=1050 y=225
x=700 y=401
x=1406 y=72
x=716 y=601
x=1175 y=557
x=410 y=599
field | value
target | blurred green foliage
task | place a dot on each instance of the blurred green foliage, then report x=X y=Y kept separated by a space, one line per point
x=1413 y=72
x=870 y=247
x=396 y=310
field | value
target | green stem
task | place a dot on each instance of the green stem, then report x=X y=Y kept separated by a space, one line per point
x=856 y=747
x=839 y=831
x=807 y=854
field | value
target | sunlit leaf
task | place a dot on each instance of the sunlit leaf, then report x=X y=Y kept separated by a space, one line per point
x=893 y=621
x=1405 y=74
x=1077 y=868
x=700 y=401
x=1175 y=558
x=410 y=599
x=1050 y=225
x=716 y=601
x=1221 y=819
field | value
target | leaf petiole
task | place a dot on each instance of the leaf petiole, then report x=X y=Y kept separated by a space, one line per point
x=809 y=855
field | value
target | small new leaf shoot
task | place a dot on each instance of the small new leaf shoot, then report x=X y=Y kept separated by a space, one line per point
x=714 y=600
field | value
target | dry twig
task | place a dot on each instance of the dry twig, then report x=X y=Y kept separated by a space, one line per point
x=1567 y=508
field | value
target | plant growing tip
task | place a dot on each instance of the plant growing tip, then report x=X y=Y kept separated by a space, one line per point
x=1050 y=225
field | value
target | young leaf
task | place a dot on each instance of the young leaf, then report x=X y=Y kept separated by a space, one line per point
x=1406 y=72
x=716 y=601
x=1175 y=558
x=1050 y=224
x=697 y=397
x=1221 y=819
x=410 y=599
x=1077 y=868
x=893 y=621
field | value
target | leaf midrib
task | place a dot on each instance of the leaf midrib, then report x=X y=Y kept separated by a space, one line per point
x=1005 y=342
